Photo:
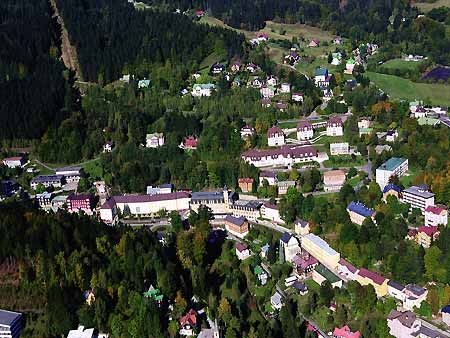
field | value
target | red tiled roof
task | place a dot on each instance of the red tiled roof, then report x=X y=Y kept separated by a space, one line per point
x=190 y=142
x=190 y=318
x=14 y=158
x=79 y=197
x=345 y=332
x=240 y=247
x=375 y=277
x=350 y=267
x=434 y=209
x=430 y=231
x=274 y=130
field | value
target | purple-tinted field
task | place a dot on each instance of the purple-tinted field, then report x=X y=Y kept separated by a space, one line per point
x=438 y=73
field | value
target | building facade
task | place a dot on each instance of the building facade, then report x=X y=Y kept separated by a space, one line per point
x=320 y=249
x=80 y=202
x=333 y=180
x=238 y=226
x=394 y=166
x=358 y=212
x=335 y=127
x=275 y=137
x=283 y=156
x=418 y=197
x=10 y=324
x=305 y=130
x=436 y=215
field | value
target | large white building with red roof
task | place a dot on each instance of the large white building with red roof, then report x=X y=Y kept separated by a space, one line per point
x=275 y=137
x=282 y=156
x=436 y=215
x=14 y=162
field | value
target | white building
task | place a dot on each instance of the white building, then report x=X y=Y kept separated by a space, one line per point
x=275 y=137
x=161 y=189
x=285 y=88
x=418 y=197
x=154 y=140
x=364 y=123
x=394 y=166
x=391 y=135
x=272 y=81
x=301 y=227
x=267 y=92
x=276 y=301
x=204 y=89
x=14 y=162
x=247 y=131
x=335 y=127
x=242 y=251
x=339 y=148
x=347 y=270
x=322 y=78
x=290 y=246
x=271 y=212
x=283 y=156
x=81 y=332
x=297 y=97
x=436 y=215
x=269 y=176
x=305 y=130
x=71 y=174
x=10 y=324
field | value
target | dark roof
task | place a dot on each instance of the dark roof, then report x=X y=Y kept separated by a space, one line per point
x=207 y=195
x=271 y=206
x=392 y=187
x=268 y=174
x=301 y=222
x=166 y=185
x=375 y=277
x=406 y=318
x=109 y=204
x=334 y=120
x=47 y=178
x=274 y=130
x=304 y=124
x=416 y=289
x=294 y=151
x=349 y=266
x=9 y=317
x=239 y=221
x=240 y=247
x=446 y=309
x=149 y=198
x=286 y=237
x=360 y=209
x=79 y=197
x=300 y=286
x=396 y=285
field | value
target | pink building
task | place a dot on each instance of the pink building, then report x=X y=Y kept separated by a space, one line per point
x=345 y=332
x=436 y=215
x=80 y=202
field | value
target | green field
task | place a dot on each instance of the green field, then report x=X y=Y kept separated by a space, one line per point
x=397 y=87
x=400 y=65
x=93 y=168
x=428 y=6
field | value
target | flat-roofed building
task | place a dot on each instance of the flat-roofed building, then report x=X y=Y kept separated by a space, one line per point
x=333 y=180
x=418 y=197
x=10 y=324
x=340 y=148
x=320 y=249
x=322 y=274
x=394 y=166
x=55 y=181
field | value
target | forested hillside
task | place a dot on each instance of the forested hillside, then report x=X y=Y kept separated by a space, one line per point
x=33 y=89
x=113 y=38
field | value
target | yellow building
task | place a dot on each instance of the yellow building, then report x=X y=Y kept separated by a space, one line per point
x=321 y=251
x=367 y=277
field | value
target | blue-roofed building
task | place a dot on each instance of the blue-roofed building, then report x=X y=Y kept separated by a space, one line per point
x=10 y=324
x=394 y=166
x=445 y=311
x=358 y=212
x=391 y=190
x=289 y=247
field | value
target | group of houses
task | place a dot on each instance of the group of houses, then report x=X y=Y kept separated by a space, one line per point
x=156 y=140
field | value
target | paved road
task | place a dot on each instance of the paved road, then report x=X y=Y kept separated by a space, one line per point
x=273 y=226
x=46 y=166
x=152 y=224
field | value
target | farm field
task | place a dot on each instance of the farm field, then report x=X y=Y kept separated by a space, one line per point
x=400 y=65
x=427 y=6
x=400 y=88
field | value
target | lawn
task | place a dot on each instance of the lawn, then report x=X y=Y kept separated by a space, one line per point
x=408 y=179
x=428 y=6
x=401 y=65
x=209 y=61
x=397 y=87
x=344 y=161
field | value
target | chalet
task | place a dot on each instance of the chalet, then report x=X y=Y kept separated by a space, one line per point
x=327 y=93
x=301 y=288
x=283 y=156
x=248 y=209
x=322 y=78
x=237 y=226
x=188 y=323
x=271 y=212
x=305 y=130
x=217 y=68
x=275 y=136
x=301 y=227
x=367 y=277
x=333 y=180
x=154 y=140
x=292 y=58
x=246 y=184
x=80 y=202
x=14 y=162
x=391 y=190
x=419 y=112
x=436 y=215
x=55 y=181
x=289 y=246
x=281 y=106
x=242 y=251
x=297 y=97
x=204 y=89
x=269 y=176
x=314 y=43
x=345 y=332
x=189 y=143
x=267 y=92
x=426 y=234
x=364 y=122
x=335 y=127
x=285 y=88
x=247 y=131
x=358 y=212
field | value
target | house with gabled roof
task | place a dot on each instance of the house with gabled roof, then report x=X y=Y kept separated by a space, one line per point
x=289 y=246
x=345 y=332
x=391 y=190
x=314 y=43
x=305 y=130
x=358 y=212
x=445 y=312
x=367 y=277
x=275 y=136
x=335 y=127
x=347 y=270
x=188 y=323
x=237 y=226
x=242 y=251
x=436 y=215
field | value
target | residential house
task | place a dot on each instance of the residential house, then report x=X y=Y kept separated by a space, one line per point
x=337 y=41
x=189 y=142
x=271 y=212
x=82 y=332
x=275 y=136
x=44 y=200
x=289 y=246
x=345 y=332
x=364 y=122
x=272 y=81
x=391 y=135
x=285 y=88
x=217 y=68
x=143 y=83
x=305 y=130
x=188 y=323
x=237 y=226
x=367 y=277
x=281 y=106
x=269 y=176
x=396 y=290
x=267 y=92
x=80 y=202
x=297 y=97
x=322 y=78
x=347 y=270
x=365 y=131
x=242 y=251
x=107 y=147
x=321 y=250
x=266 y=103
x=154 y=140
x=394 y=166
x=405 y=324
x=71 y=174
x=14 y=162
x=418 y=197
x=314 y=43
x=251 y=68
x=55 y=181
x=261 y=275
x=333 y=180
x=304 y=264
x=246 y=184
x=445 y=312
x=336 y=58
x=426 y=234
x=283 y=186
x=414 y=296
x=301 y=288
x=419 y=112
x=391 y=190
x=256 y=83
x=335 y=127
x=248 y=209
x=247 y=131
x=276 y=301
x=236 y=66
x=282 y=156
x=340 y=148
x=202 y=89
x=436 y=215
x=10 y=324
x=322 y=274
x=301 y=227
x=358 y=212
